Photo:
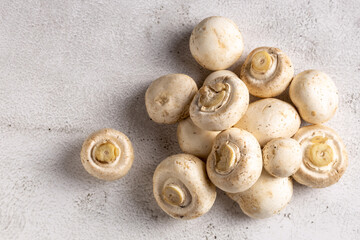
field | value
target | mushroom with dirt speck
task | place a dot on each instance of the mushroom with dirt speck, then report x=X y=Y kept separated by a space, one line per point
x=325 y=158
x=270 y=118
x=107 y=154
x=267 y=197
x=168 y=98
x=182 y=188
x=282 y=157
x=235 y=162
x=315 y=96
x=267 y=72
x=194 y=140
x=216 y=43
x=220 y=102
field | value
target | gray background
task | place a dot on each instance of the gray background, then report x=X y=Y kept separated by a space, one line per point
x=68 y=68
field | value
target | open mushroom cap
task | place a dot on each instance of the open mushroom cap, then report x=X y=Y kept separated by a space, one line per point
x=220 y=102
x=267 y=72
x=235 y=162
x=107 y=154
x=216 y=43
x=267 y=197
x=315 y=96
x=282 y=157
x=182 y=188
x=194 y=140
x=168 y=98
x=324 y=156
x=270 y=118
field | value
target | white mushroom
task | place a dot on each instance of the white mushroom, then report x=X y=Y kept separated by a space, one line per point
x=235 y=162
x=182 y=188
x=267 y=72
x=267 y=197
x=168 y=98
x=324 y=156
x=107 y=154
x=315 y=96
x=220 y=102
x=270 y=118
x=194 y=140
x=282 y=157
x=216 y=43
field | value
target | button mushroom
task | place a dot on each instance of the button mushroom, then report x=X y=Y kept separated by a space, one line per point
x=324 y=158
x=216 y=43
x=315 y=96
x=167 y=99
x=220 y=102
x=182 y=188
x=282 y=157
x=194 y=140
x=267 y=72
x=235 y=162
x=270 y=118
x=107 y=154
x=267 y=197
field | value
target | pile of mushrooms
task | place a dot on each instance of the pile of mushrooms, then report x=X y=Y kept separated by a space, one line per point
x=252 y=151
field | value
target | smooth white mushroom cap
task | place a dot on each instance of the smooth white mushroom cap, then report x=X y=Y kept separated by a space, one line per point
x=168 y=98
x=324 y=156
x=267 y=197
x=111 y=170
x=220 y=102
x=194 y=140
x=282 y=157
x=270 y=118
x=216 y=43
x=235 y=162
x=182 y=188
x=315 y=96
x=273 y=80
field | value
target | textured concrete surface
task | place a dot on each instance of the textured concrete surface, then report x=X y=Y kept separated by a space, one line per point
x=68 y=68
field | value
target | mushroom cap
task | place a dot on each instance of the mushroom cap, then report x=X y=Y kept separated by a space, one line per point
x=267 y=197
x=315 y=176
x=168 y=98
x=188 y=172
x=315 y=96
x=282 y=157
x=248 y=166
x=194 y=140
x=107 y=171
x=231 y=109
x=270 y=118
x=274 y=81
x=216 y=43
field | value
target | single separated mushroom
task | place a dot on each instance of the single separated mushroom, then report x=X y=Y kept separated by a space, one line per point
x=107 y=154
x=235 y=162
x=267 y=197
x=324 y=156
x=220 y=102
x=182 y=188
x=168 y=98
x=315 y=96
x=267 y=72
x=282 y=157
x=270 y=118
x=216 y=43
x=194 y=140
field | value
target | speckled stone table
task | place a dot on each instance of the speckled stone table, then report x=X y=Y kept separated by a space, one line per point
x=68 y=68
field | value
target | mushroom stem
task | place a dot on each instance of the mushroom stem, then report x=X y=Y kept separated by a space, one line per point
x=226 y=158
x=261 y=62
x=106 y=152
x=321 y=154
x=213 y=96
x=173 y=194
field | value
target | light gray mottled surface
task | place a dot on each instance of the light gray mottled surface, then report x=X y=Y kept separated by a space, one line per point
x=68 y=68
